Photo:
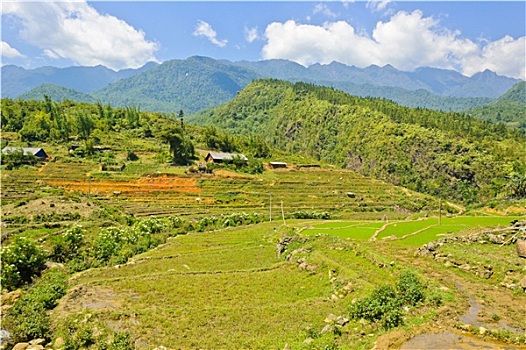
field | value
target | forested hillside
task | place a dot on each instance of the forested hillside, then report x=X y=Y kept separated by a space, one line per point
x=56 y=93
x=446 y=154
x=510 y=108
x=190 y=85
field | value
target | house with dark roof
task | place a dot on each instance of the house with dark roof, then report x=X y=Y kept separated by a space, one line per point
x=39 y=153
x=276 y=165
x=223 y=157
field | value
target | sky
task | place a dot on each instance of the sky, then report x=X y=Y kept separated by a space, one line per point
x=468 y=37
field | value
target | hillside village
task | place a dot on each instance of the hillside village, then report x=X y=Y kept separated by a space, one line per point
x=316 y=220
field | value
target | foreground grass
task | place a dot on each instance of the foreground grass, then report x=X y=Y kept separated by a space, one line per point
x=215 y=290
x=230 y=289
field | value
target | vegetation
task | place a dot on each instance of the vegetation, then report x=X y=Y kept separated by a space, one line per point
x=21 y=261
x=444 y=154
x=28 y=318
x=199 y=82
x=147 y=253
x=509 y=108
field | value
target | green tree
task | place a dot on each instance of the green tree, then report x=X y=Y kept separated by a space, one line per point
x=85 y=125
x=516 y=185
x=181 y=147
x=21 y=261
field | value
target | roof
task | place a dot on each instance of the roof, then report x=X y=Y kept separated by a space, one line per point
x=27 y=150
x=278 y=163
x=226 y=156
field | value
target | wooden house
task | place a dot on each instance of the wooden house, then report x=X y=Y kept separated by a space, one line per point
x=222 y=157
x=39 y=153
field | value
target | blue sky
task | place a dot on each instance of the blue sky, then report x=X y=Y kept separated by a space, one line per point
x=465 y=36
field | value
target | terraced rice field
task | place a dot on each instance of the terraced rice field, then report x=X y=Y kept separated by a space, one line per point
x=407 y=232
x=223 y=193
x=229 y=285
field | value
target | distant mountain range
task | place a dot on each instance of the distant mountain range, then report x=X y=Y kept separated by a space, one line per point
x=198 y=82
x=17 y=81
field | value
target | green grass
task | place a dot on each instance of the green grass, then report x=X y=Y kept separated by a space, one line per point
x=456 y=224
x=413 y=233
x=214 y=290
x=352 y=229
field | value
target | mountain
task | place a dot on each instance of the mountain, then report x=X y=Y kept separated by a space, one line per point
x=199 y=82
x=17 y=80
x=189 y=85
x=437 y=81
x=517 y=93
x=56 y=93
x=439 y=153
x=510 y=108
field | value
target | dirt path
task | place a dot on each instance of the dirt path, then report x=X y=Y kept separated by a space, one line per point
x=452 y=341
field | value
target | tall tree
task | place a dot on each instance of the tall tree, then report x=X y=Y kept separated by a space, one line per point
x=181 y=147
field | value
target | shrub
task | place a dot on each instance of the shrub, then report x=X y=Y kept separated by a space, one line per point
x=410 y=289
x=65 y=247
x=27 y=318
x=131 y=156
x=121 y=341
x=385 y=303
x=303 y=214
x=20 y=262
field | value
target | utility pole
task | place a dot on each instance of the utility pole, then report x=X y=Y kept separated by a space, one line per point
x=440 y=211
x=283 y=214
x=270 y=207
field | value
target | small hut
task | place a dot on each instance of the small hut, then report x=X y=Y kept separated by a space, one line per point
x=222 y=157
x=276 y=165
x=39 y=153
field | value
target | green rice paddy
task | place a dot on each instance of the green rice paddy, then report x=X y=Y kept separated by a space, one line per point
x=407 y=232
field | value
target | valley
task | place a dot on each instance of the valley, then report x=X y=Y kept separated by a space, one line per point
x=124 y=237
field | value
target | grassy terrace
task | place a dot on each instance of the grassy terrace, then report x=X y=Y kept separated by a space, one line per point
x=168 y=191
x=229 y=288
x=407 y=232
x=228 y=285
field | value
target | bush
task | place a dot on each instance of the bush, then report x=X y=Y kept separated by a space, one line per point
x=28 y=318
x=385 y=303
x=66 y=247
x=20 y=262
x=303 y=214
x=410 y=289
x=121 y=341
x=131 y=156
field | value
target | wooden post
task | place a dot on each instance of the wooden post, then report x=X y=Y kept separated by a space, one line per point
x=440 y=211
x=283 y=214
x=270 y=207
x=89 y=188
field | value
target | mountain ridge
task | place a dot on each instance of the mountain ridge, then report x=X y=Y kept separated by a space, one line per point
x=166 y=87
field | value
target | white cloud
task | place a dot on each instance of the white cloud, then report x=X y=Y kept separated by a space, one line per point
x=76 y=31
x=406 y=41
x=251 y=34
x=505 y=56
x=206 y=30
x=10 y=52
x=325 y=10
x=346 y=3
x=377 y=5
